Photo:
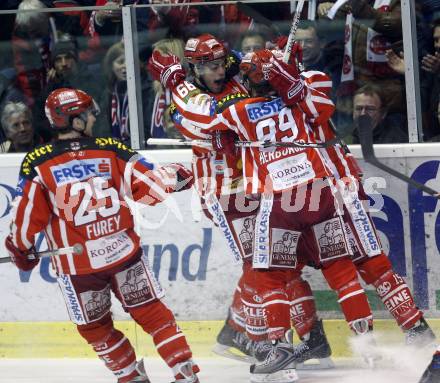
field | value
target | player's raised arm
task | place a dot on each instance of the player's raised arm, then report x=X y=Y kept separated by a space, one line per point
x=149 y=184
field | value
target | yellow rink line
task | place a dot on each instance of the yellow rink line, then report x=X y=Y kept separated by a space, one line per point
x=60 y=339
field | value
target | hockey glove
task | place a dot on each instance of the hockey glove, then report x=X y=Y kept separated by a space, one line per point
x=185 y=177
x=166 y=69
x=223 y=141
x=296 y=54
x=20 y=258
x=285 y=79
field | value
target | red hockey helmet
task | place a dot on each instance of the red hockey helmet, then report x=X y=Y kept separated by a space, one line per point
x=252 y=65
x=64 y=103
x=203 y=49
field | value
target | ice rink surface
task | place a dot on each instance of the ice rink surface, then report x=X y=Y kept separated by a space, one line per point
x=396 y=364
x=214 y=370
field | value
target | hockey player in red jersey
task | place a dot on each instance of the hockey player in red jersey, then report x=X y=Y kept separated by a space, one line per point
x=298 y=200
x=219 y=176
x=74 y=190
x=373 y=265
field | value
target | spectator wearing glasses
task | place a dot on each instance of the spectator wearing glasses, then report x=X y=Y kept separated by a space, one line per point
x=387 y=127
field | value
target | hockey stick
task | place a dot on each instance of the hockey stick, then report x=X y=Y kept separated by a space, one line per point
x=292 y=32
x=288 y=50
x=366 y=140
x=77 y=248
x=243 y=144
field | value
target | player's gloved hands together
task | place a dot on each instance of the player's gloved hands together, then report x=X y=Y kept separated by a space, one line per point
x=166 y=69
x=223 y=141
x=284 y=78
x=20 y=258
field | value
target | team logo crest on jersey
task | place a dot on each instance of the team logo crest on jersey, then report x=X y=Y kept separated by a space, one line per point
x=259 y=110
x=219 y=166
x=284 y=245
x=79 y=170
x=75 y=145
x=331 y=239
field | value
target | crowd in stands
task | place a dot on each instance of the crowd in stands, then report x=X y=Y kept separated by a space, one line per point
x=359 y=45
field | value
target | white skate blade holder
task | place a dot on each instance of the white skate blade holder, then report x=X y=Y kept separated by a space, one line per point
x=316 y=364
x=283 y=376
x=312 y=364
x=229 y=352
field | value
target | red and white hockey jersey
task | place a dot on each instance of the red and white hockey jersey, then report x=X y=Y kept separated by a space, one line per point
x=213 y=172
x=341 y=164
x=75 y=190
x=268 y=119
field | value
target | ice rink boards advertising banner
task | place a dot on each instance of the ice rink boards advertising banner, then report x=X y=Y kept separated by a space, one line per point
x=192 y=260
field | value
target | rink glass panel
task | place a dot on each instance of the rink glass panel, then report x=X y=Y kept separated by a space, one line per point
x=26 y=64
x=407 y=228
x=324 y=49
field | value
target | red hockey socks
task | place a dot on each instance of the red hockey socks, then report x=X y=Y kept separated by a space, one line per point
x=157 y=320
x=392 y=290
x=302 y=306
x=112 y=347
x=342 y=278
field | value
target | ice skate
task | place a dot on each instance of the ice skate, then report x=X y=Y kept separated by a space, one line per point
x=186 y=372
x=278 y=367
x=432 y=372
x=314 y=346
x=260 y=350
x=229 y=341
x=420 y=335
x=142 y=377
x=364 y=344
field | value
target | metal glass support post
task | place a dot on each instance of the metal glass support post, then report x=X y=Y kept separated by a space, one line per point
x=311 y=10
x=412 y=79
x=135 y=114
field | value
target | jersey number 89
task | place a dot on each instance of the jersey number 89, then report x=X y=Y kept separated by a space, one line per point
x=287 y=130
